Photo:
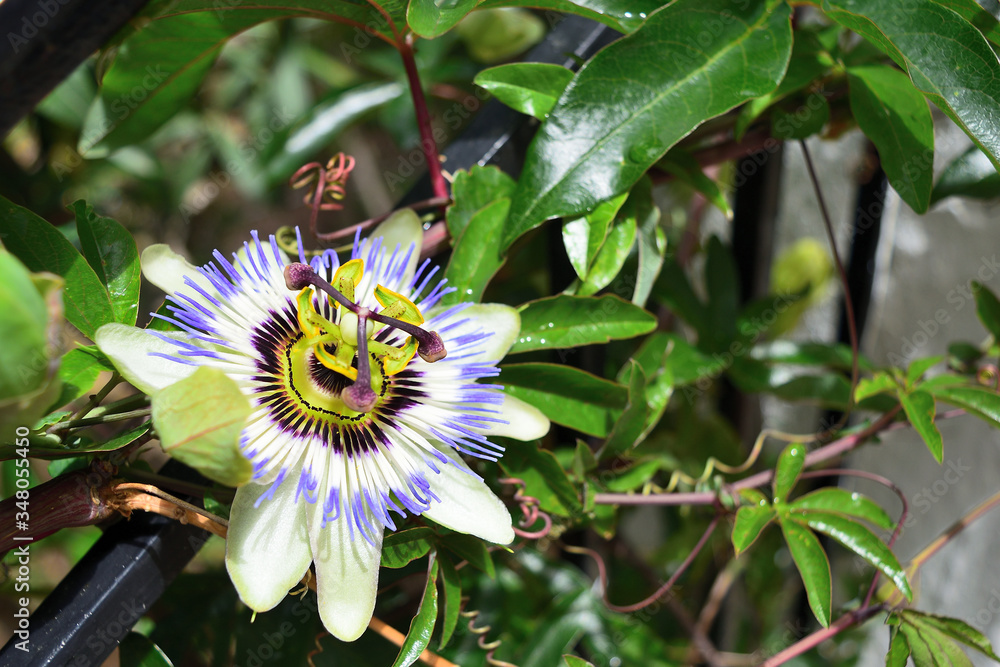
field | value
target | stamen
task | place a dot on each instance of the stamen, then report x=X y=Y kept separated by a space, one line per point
x=299 y=275
x=430 y=346
x=360 y=396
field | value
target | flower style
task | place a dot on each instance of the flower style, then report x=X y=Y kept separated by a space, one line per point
x=359 y=409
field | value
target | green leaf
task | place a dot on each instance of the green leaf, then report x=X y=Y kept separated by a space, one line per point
x=567 y=396
x=473 y=550
x=789 y=468
x=895 y=116
x=611 y=257
x=401 y=548
x=861 y=541
x=584 y=237
x=682 y=165
x=920 y=410
x=497 y=35
x=921 y=647
x=432 y=18
x=801 y=117
x=564 y=320
x=78 y=372
x=476 y=258
x=813 y=566
x=808 y=354
x=544 y=478
x=971 y=174
x=593 y=147
x=24 y=360
x=947 y=59
x=630 y=426
x=685 y=362
x=531 y=88
x=651 y=240
x=880 y=383
x=750 y=521
x=918 y=367
x=422 y=625
x=943 y=649
x=899 y=650
x=839 y=501
x=41 y=247
x=138 y=651
x=958 y=630
x=199 y=420
x=970 y=10
x=622 y=16
x=474 y=190
x=112 y=254
x=987 y=308
x=980 y=401
x=82 y=447
x=573 y=661
x=451 y=582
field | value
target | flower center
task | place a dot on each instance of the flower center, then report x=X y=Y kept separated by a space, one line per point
x=348 y=348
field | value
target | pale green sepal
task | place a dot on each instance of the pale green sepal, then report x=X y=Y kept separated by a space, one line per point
x=167 y=270
x=503 y=321
x=129 y=350
x=267 y=548
x=524 y=421
x=467 y=504
x=346 y=574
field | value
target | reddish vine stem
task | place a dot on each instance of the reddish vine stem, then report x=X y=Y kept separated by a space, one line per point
x=427 y=143
x=602 y=572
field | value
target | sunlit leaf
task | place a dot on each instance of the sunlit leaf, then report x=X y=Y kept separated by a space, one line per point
x=839 y=501
x=112 y=254
x=564 y=320
x=787 y=473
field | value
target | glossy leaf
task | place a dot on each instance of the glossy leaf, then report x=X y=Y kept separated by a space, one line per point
x=611 y=257
x=476 y=257
x=422 y=625
x=567 y=396
x=584 y=237
x=987 y=308
x=980 y=401
x=839 y=501
x=946 y=58
x=592 y=147
x=750 y=521
x=973 y=12
x=199 y=420
x=564 y=320
x=41 y=247
x=971 y=174
x=573 y=661
x=861 y=541
x=78 y=372
x=451 y=583
x=55 y=451
x=474 y=190
x=920 y=409
x=544 y=478
x=895 y=117
x=789 y=468
x=630 y=425
x=813 y=566
x=111 y=252
x=622 y=16
x=400 y=548
x=531 y=88
x=431 y=18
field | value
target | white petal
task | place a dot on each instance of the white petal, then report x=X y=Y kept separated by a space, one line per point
x=129 y=349
x=468 y=505
x=524 y=421
x=346 y=575
x=167 y=270
x=402 y=228
x=503 y=321
x=267 y=548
